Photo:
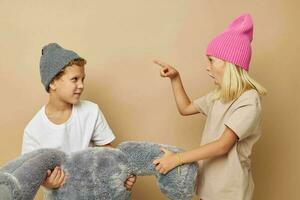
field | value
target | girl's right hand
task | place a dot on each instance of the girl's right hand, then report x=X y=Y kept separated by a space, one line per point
x=167 y=70
x=56 y=179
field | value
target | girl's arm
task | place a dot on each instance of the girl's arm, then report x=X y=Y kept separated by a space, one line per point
x=184 y=104
x=218 y=147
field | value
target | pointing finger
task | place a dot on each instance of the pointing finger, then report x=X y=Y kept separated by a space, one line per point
x=160 y=63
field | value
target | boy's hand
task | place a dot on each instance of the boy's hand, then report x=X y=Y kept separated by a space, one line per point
x=167 y=70
x=55 y=179
x=130 y=182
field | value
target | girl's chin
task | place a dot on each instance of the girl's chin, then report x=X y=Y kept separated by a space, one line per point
x=216 y=83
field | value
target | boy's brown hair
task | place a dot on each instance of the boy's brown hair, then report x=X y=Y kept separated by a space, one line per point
x=81 y=62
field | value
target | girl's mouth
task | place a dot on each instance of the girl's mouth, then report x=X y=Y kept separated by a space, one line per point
x=211 y=76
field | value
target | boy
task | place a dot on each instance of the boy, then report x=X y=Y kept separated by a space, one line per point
x=66 y=123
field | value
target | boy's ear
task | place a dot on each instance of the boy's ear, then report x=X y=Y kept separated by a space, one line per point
x=52 y=85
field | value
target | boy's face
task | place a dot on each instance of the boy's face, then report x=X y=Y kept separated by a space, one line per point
x=215 y=69
x=70 y=85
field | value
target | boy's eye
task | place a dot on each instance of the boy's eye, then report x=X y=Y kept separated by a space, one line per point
x=74 y=79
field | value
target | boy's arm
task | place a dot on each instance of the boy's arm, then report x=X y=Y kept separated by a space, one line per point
x=106 y=145
x=54 y=179
x=29 y=143
x=102 y=134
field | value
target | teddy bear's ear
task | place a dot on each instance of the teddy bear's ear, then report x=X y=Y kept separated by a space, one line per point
x=176 y=184
x=21 y=178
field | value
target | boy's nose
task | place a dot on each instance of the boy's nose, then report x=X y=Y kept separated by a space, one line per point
x=80 y=85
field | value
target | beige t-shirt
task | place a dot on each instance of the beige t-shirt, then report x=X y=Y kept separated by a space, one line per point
x=228 y=177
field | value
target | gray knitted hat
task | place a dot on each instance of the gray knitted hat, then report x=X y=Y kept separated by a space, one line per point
x=53 y=60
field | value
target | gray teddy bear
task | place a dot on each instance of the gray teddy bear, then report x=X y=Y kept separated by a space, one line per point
x=95 y=173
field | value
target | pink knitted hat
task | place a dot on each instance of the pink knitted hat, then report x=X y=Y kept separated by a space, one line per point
x=234 y=44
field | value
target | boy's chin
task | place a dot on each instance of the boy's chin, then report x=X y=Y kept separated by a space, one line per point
x=75 y=101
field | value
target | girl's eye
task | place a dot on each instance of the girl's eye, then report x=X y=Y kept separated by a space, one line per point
x=74 y=79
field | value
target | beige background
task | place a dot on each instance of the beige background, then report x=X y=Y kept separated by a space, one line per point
x=120 y=39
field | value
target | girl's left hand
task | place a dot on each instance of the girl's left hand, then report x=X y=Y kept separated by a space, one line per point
x=167 y=162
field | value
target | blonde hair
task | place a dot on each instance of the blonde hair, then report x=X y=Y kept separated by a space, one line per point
x=236 y=80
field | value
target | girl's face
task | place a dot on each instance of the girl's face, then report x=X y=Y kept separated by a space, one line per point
x=215 y=69
x=70 y=85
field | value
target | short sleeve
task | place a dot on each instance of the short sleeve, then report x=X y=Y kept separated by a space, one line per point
x=102 y=134
x=29 y=143
x=244 y=118
x=203 y=103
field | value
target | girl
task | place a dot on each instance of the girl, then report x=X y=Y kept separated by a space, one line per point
x=233 y=112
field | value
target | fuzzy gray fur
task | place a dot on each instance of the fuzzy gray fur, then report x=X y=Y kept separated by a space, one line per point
x=94 y=173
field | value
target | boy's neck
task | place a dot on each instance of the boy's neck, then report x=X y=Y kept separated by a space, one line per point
x=58 y=106
x=58 y=112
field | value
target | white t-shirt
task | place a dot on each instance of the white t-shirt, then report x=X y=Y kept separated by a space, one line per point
x=85 y=126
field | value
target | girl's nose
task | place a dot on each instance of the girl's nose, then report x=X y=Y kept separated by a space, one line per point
x=208 y=68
